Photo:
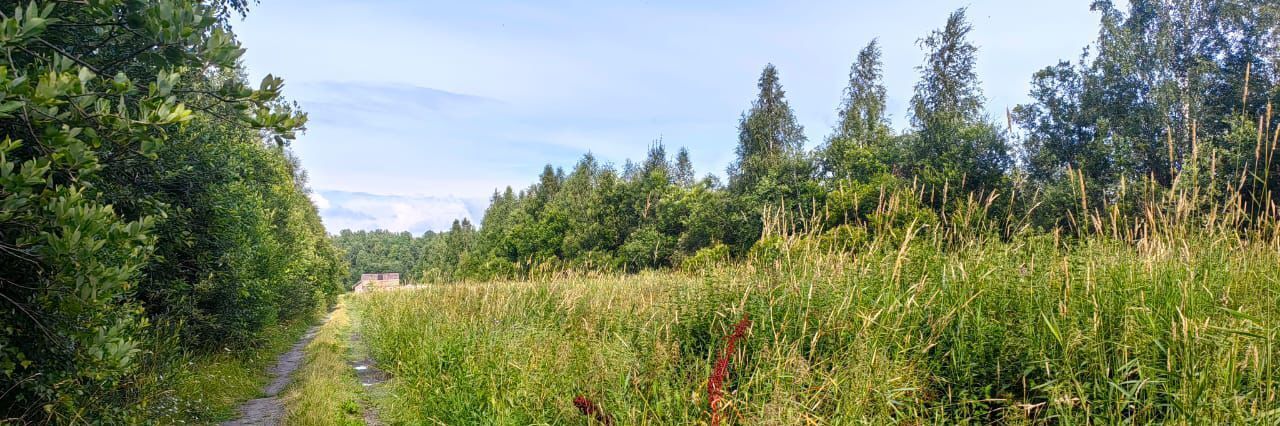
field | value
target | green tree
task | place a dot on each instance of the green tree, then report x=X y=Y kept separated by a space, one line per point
x=683 y=173
x=86 y=90
x=770 y=154
x=858 y=147
x=240 y=246
x=1164 y=90
x=379 y=251
x=953 y=146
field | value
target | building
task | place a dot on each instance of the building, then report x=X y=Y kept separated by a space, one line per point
x=370 y=282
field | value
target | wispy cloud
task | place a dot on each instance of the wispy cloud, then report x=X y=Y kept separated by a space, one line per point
x=356 y=102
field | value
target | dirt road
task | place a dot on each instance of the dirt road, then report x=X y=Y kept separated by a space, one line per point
x=268 y=410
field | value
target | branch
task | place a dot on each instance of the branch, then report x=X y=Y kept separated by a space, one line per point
x=73 y=58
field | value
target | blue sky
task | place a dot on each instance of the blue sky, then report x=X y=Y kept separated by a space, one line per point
x=420 y=109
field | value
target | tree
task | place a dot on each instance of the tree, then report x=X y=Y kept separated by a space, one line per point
x=380 y=251
x=579 y=203
x=88 y=92
x=859 y=144
x=953 y=147
x=1160 y=77
x=768 y=137
x=683 y=173
x=239 y=245
x=548 y=184
x=772 y=170
x=1057 y=132
x=656 y=161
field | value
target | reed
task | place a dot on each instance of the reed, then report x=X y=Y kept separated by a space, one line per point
x=1030 y=330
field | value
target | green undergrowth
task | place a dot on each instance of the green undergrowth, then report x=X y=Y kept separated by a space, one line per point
x=325 y=390
x=205 y=389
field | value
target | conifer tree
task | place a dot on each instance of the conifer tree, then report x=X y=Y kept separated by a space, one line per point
x=548 y=184
x=683 y=174
x=656 y=161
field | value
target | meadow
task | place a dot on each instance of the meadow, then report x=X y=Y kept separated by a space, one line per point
x=910 y=327
x=1108 y=253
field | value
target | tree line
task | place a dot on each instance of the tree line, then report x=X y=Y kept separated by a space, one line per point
x=150 y=207
x=1173 y=94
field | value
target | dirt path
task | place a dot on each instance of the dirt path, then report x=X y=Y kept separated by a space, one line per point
x=368 y=374
x=268 y=410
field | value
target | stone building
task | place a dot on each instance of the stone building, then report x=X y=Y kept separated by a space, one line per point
x=369 y=282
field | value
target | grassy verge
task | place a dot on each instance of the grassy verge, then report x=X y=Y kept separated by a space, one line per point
x=325 y=390
x=209 y=388
x=1029 y=331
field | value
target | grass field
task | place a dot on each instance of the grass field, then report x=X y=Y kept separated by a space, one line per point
x=1033 y=330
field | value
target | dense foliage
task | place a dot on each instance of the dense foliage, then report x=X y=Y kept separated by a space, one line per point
x=1173 y=96
x=148 y=202
x=1170 y=87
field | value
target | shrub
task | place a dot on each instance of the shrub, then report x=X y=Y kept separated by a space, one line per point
x=707 y=258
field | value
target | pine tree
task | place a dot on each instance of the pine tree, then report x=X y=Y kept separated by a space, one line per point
x=548 y=184
x=684 y=174
x=656 y=161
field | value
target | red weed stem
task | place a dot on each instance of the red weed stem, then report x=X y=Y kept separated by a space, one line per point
x=715 y=383
x=589 y=408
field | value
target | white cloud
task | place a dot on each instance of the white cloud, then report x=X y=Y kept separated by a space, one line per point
x=358 y=210
x=321 y=202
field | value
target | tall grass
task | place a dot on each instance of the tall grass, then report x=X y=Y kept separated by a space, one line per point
x=1025 y=331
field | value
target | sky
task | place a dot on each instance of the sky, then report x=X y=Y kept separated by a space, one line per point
x=419 y=110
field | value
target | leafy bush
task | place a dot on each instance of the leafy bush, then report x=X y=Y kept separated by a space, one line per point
x=707 y=258
x=126 y=203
